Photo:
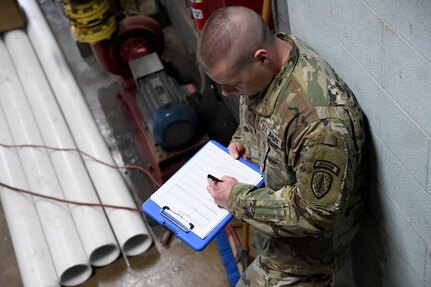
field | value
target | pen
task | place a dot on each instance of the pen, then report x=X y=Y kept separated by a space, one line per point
x=213 y=178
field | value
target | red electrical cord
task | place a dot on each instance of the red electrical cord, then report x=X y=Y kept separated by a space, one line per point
x=68 y=201
x=86 y=155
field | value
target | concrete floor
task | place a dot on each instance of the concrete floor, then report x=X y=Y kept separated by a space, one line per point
x=175 y=265
x=171 y=266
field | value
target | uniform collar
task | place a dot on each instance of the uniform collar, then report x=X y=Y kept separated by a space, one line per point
x=269 y=97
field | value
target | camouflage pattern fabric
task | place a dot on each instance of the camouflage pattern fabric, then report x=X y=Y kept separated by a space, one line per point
x=256 y=276
x=306 y=134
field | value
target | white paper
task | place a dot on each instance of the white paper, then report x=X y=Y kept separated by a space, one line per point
x=185 y=192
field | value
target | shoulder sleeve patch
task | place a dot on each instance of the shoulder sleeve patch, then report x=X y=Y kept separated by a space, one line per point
x=322 y=178
x=321 y=183
x=327 y=165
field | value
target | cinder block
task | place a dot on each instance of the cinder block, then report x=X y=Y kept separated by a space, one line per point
x=391 y=125
x=377 y=262
x=428 y=270
x=307 y=27
x=409 y=19
x=401 y=135
x=406 y=78
x=374 y=146
x=356 y=27
x=429 y=172
x=369 y=254
x=393 y=90
x=402 y=242
x=385 y=117
x=367 y=91
x=403 y=189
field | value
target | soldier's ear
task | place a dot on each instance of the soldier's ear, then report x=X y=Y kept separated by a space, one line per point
x=261 y=56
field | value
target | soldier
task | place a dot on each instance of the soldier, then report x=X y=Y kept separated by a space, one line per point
x=301 y=124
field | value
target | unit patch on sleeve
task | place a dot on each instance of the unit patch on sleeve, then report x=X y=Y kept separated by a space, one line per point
x=327 y=165
x=322 y=178
x=321 y=183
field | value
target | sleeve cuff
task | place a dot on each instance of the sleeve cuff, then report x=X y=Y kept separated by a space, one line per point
x=239 y=190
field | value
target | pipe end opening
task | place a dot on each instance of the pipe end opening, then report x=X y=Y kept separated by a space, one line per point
x=104 y=255
x=137 y=244
x=76 y=275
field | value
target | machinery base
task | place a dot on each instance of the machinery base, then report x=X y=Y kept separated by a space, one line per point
x=159 y=163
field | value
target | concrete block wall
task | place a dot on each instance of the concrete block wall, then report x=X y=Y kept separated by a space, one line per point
x=382 y=49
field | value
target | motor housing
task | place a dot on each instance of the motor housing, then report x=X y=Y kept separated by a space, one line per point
x=172 y=122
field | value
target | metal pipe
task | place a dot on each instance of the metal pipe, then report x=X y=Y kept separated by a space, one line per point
x=93 y=227
x=129 y=227
x=31 y=250
x=65 y=246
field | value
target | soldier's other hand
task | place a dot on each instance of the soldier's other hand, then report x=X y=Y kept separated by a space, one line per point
x=236 y=150
x=220 y=190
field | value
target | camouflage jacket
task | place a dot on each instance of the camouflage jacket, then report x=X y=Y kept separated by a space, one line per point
x=305 y=132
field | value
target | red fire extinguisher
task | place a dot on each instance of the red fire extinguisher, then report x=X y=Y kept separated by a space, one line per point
x=200 y=13
x=202 y=9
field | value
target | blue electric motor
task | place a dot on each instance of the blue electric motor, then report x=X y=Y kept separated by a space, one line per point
x=171 y=120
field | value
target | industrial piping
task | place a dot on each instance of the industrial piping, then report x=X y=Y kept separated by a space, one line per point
x=93 y=227
x=129 y=228
x=31 y=250
x=65 y=246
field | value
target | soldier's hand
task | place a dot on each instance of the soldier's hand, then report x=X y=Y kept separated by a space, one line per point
x=220 y=190
x=236 y=150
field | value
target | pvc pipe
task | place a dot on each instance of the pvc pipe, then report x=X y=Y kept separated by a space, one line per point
x=65 y=246
x=31 y=250
x=91 y=222
x=129 y=227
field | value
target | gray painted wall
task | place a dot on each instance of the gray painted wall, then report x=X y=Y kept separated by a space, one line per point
x=382 y=49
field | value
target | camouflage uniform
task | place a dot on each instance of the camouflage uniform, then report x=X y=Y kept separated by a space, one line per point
x=306 y=134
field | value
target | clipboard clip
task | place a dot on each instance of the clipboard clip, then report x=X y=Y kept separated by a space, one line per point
x=165 y=212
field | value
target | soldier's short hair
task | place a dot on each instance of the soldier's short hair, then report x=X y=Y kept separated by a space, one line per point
x=232 y=33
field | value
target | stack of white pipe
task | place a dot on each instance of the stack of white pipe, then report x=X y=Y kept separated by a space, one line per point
x=41 y=101
x=129 y=228
x=64 y=243
x=92 y=225
x=31 y=249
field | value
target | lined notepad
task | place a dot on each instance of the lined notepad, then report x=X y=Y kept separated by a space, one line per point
x=185 y=192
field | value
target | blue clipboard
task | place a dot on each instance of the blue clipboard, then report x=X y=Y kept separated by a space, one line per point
x=184 y=230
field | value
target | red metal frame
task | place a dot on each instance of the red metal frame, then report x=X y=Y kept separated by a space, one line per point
x=136 y=36
x=161 y=164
